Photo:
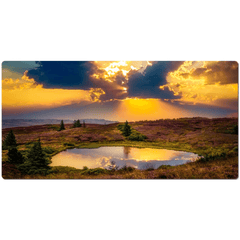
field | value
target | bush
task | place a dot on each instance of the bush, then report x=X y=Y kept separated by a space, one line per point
x=68 y=145
x=94 y=171
x=137 y=137
x=48 y=150
x=212 y=156
x=54 y=127
x=120 y=127
x=235 y=129
x=126 y=169
x=131 y=133
x=165 y=167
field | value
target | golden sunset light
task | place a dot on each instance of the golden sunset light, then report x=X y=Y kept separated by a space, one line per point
x=140 y=89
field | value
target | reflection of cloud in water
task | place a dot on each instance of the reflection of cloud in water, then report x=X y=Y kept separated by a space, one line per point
x=141 y=158
x=105 y=162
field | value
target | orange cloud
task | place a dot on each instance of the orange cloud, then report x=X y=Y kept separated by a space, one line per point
x=213 y=83
x=26 y=94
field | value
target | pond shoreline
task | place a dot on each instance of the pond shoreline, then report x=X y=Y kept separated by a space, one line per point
x=139 y=158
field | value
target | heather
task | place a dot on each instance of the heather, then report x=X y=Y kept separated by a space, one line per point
x=215 y=139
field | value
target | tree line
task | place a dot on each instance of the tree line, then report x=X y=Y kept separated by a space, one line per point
x=76 y=124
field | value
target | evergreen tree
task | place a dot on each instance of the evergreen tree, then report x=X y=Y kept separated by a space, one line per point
x=126 y=129
x=77 y=124
x=37 y=162
x=10 y=141
x=62 y=126
x=84 y=125
x=14 y=156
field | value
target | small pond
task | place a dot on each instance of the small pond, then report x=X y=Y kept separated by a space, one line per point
x=140 y=158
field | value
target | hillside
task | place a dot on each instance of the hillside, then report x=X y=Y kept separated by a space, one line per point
x=207 y=137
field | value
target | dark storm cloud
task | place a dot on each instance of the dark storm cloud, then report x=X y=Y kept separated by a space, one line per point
x=147 y=85
x=80 y=74
x=63 y=74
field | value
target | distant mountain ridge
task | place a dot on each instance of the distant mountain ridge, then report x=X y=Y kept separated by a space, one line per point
x=9 y=123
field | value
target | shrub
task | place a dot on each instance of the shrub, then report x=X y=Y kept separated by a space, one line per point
x=165 y=167
x=137 y=137
x=68 y=144
x=126 y=169
x=54 y=127
x=48 y=150
x=120 y=127
x=212 y=156
x=235 y=129
x=93 y=171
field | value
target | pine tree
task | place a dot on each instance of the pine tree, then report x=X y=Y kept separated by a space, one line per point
x=62 y=126
x=10 y=141
x=77 y=123
x=37 y=162
x=14 y=156
x=126 y=129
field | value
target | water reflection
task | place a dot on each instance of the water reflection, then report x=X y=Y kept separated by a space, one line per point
x=141 y=158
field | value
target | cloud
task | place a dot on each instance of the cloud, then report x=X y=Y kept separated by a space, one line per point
x=25 y=95
x=147 y=84
x=221 y=72
x=212 y=83
x=14 y=69
x=116 y=79
x=63 y=74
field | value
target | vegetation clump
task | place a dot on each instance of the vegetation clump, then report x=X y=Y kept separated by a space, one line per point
x=136 y=136
x=131 y=133
x=126 y=129
x=77 y=124
x=68 y=144
x=14 y=156
x=36 y=162
x=94 y=171
x=235 y=129
x=61 y=126
x=10 y=141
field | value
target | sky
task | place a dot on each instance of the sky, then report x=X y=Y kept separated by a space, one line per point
x=119 y=90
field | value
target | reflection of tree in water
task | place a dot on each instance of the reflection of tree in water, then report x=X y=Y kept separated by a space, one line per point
x=126 y=151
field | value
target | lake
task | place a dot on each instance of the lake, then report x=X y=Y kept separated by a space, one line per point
x=140 y=158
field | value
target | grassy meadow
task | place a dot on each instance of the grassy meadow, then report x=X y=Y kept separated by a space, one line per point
x=214 y=139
